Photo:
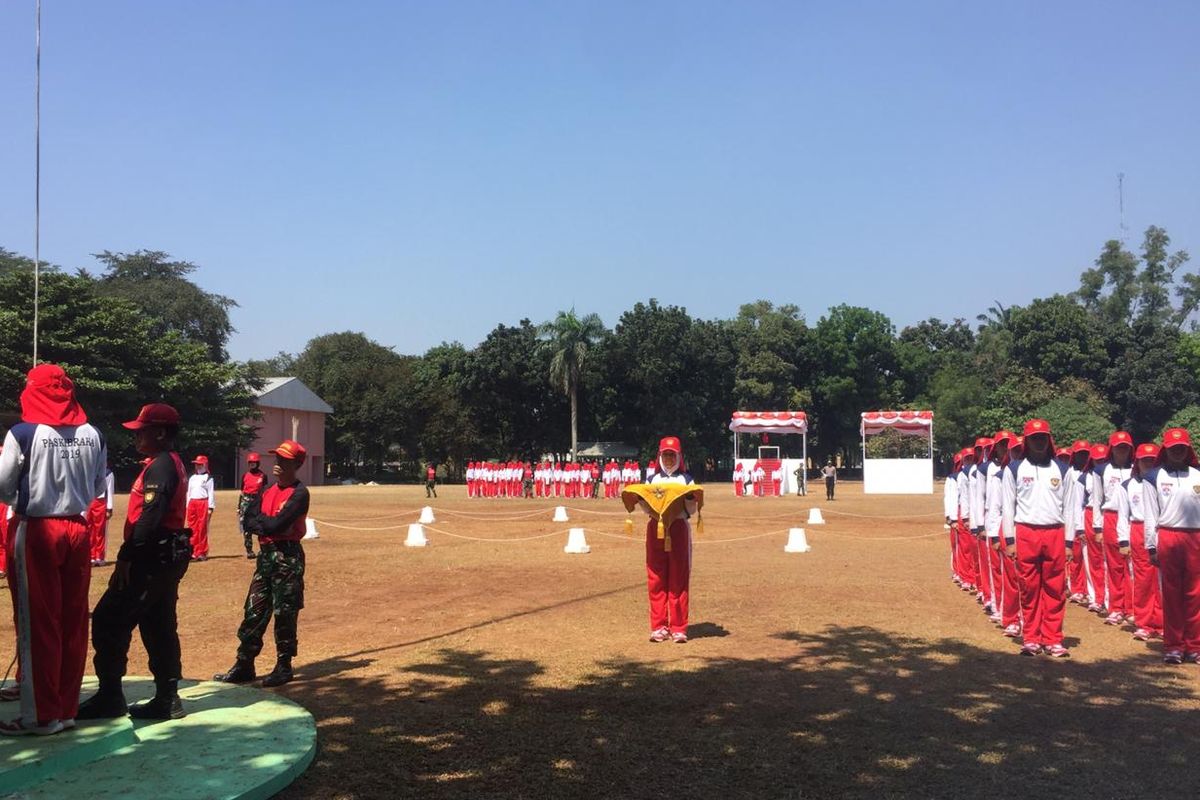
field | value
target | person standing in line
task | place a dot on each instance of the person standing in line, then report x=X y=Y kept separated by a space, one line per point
x=143 y=591
x=1038 y=514
x=950 y=513
x=51 y=469
x=99 y=513
x=430 y=481
x=254 y=483
x=1109 y=478
x=1171 y=504
x=278 y=583
x=1004 y=571
x=1144 y=591
x=829 y=472
x=201 y=501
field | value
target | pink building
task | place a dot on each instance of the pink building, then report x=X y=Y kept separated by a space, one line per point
x=290 y=410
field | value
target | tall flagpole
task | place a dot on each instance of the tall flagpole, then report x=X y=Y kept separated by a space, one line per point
x=37 y=181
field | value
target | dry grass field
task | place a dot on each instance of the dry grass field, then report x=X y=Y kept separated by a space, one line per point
x=505 y=668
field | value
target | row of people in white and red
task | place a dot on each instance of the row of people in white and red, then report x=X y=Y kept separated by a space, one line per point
x=1032 y=526
x=750 y=480
x=551 y=479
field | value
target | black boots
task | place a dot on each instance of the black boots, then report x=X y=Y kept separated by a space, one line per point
x=241 y=672
x=107 y=703
x=164 y=705
x=281 y=674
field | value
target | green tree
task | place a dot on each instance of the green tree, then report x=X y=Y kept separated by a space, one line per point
x=856 y=372
x=1072 y=419
x=1055 y=338
x=1187 y=417
x=160 y=288
x=118 y=363
x=569 y=339
x=371 y=390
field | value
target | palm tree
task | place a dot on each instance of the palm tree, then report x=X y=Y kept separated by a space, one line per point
x=569 y=338
x=997 y=316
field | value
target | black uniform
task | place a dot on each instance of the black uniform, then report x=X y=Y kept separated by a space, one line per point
x=158 y=549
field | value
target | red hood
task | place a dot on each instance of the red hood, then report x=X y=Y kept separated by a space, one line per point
x=49 y=398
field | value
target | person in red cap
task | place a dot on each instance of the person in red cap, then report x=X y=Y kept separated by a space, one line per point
x=950 y=512
x=1145 y=597
x=143 y=591
x=977 y=483
x=201 y=502
x=1171 y=504
x=1005 y=583
x=967 y=546
x=1110 y=474
x=1087 y=587
x=1038 y=513
x=51 y=468
x=668 y=572
x=254 y=483
x=278 y=583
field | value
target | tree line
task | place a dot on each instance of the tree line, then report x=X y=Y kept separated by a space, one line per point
x=1120 y=351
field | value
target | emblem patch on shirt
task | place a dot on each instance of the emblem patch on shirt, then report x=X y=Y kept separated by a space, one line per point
x=149 y=498
x=1196 y=488
x=1054 y=482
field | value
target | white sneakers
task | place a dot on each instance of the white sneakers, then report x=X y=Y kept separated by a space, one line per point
x=19 y=727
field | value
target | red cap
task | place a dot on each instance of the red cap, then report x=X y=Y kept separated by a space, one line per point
x=1005 y=436
x=669 y=443
x=982 y=443
x=200 y=460
x=1062 y=452
x=291 y=450
x=1147 y=450
x=1037 y=426
x=49 y=397
x=1120 y=437
x=153 y=414
x=1099 y=452
x=965 y=453
x=252 y=458
x=1174 y=437
x=1081 y=446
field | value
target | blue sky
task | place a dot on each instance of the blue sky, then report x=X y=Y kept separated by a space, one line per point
x=424 y=171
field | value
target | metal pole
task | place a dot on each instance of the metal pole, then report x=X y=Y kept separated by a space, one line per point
x=37 y=181
x=804 y=461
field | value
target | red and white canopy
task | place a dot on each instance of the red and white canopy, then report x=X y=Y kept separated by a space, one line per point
x=909 y=423
x=769 y=422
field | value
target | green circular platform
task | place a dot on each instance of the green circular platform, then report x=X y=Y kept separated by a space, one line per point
x=235 y=742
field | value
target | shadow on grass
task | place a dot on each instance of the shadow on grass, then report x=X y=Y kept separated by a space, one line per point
x=853 y=712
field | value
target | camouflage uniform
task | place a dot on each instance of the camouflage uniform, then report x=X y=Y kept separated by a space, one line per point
x=276 y=588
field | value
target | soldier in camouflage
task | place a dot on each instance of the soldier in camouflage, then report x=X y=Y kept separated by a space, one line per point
x=278 y=583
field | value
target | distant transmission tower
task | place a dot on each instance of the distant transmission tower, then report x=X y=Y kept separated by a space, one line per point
x=1121 y=204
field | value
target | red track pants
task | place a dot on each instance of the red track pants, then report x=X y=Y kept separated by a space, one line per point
x=1179 y=566
x=968 y=563
x=667 y=576
x=51 y=571
x=1041 y=561
x=1010 y=592
x=1078 y=568
x=1095 y=561
x=985 y=554
x=197 y=520
x=97 y=522
x=1146 y=594
x=1118 y=568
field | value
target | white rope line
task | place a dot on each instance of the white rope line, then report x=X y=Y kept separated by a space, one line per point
x=492 y=515
x=353 y=528
x=601 y=513
x=493 y=539
x=883 y=516
x=880 y=538
x=710 y=515
x=394 y=514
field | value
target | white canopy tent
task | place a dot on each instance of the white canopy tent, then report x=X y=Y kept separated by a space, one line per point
x=787 y=422
x=897 y=475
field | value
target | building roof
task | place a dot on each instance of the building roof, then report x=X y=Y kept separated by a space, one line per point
x=292 y=394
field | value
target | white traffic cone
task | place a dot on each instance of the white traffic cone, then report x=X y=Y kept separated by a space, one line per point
x=310 y=529
x=427 y=516
x=797 y=541
x=560 y=514
x=416 y=536
x=576 y=542
x=814 y=517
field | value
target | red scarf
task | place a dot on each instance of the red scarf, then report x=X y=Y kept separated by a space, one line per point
x=49 y=398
